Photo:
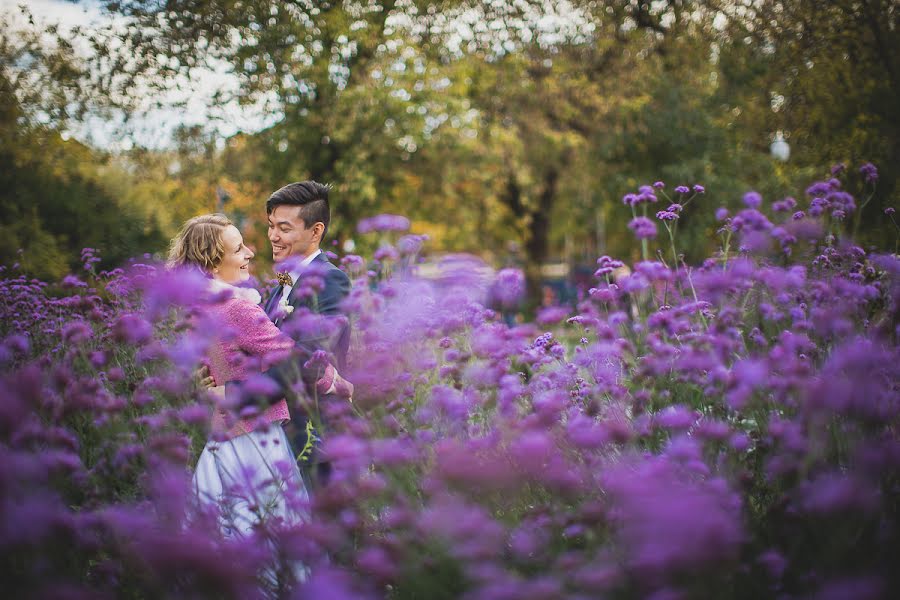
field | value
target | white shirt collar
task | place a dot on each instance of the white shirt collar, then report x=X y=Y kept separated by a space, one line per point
x=298 y=270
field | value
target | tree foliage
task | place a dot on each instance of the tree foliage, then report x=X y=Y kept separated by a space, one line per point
x=508 y=128
x=52 y=192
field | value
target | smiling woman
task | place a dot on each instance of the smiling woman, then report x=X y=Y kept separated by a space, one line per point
x=234 y=266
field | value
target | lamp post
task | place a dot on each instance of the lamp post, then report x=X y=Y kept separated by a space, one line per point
x=780 y=149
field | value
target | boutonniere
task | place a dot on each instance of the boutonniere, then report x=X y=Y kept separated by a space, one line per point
x=284 y=307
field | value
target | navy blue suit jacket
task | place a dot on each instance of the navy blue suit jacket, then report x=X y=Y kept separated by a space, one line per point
x=327 y=303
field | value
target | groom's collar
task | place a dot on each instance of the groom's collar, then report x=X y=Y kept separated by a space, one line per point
x=297 y=267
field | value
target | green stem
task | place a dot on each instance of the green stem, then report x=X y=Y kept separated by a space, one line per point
x=727 y=248
x=672 y=243
x=858 y=218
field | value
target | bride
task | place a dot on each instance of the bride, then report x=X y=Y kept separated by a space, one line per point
x=246 y=472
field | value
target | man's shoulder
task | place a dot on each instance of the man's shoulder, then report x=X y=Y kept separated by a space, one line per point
x=329 y=268
x=325 y=262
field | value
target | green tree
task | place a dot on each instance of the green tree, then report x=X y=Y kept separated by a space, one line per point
x=828 y=74
x=51 y=196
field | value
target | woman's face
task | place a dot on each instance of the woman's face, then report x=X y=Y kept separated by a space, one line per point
x=235 y=264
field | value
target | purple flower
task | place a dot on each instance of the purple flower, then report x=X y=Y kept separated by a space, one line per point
x=386 y=252
x=646 y=194
x=383 y=222
x=411 y=244
x=838 y=169
x=508 y=288
x=551 y=314
x=353 y=263
x=659 y=185
x=889 y=210
x=71 y=281
x=668 y=521
x=869 y=172
x=818 y=189
x=752 y=200
x=606 y=261
x=665 y=215
x=675 y=417
x=699 y=189
x=132 y=329
x=682 y=189
x=76 y=332
x=643 y=228
x=721 y=213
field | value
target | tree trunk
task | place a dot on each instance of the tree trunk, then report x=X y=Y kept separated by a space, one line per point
x=538 y=243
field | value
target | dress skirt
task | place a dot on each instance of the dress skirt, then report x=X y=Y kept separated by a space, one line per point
x=249 y=479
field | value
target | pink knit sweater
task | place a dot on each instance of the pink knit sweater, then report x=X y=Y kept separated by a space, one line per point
x=248 y=343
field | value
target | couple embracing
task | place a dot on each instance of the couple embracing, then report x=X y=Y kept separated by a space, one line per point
x=249 y=466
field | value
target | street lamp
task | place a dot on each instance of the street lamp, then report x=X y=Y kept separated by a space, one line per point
x=780 y=149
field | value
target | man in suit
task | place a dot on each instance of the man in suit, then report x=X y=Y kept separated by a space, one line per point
x=309 y=284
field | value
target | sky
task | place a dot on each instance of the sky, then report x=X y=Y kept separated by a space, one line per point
x=152 y=127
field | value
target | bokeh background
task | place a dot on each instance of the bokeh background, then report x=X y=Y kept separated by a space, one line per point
x=510 y=129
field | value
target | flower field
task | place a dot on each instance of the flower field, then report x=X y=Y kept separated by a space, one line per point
x=720 y=430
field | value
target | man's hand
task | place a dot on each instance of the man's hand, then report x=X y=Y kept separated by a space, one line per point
x=203 y=378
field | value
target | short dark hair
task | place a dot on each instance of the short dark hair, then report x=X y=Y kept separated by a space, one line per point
x=310 y=196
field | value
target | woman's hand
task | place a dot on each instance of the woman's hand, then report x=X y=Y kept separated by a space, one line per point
x=203 y=378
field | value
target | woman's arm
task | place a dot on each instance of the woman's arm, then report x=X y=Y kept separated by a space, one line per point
x=256 y=335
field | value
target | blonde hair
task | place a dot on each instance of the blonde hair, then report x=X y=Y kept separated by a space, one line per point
x=199 y=243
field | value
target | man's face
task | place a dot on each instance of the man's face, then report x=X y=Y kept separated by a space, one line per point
x=289 y=235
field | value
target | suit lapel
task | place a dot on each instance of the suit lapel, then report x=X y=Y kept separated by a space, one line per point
x=305 y=302
x=273 y=301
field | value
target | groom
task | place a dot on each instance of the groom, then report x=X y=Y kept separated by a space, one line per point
x=299 y=215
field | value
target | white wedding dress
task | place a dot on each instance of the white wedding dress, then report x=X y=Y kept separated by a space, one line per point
x=252 y=480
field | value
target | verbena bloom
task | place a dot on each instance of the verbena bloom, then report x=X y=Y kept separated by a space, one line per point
x=818 y=189
x=668 y=522
x=646 y=194
x=383 y=222
x=699 y=189
x=889 y=210
x=606 y=261
x=411 y=244
x=643 y=228
x=132 y=329
x=508 y=288
x=659 y=185
x=353 y=264
x=721 y=213
x=665 y=215
x=869 y=172
x=752 y=200
x=682 y=189
x=386 y=252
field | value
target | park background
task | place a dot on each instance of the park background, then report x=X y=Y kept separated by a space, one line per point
x=508 y=129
